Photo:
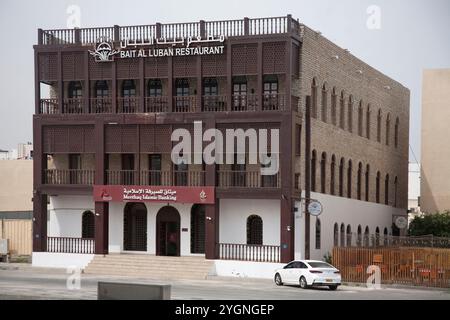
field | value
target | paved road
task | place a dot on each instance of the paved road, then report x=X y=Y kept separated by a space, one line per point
x=36 y=283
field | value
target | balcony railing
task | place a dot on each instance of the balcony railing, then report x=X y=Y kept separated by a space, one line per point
x=49 y=106
x=73 y=105
x=69 y=176
x=273 y=101
x=128 y=104
x=156 y=178
x=247 y=179
x=244 y=102
x=227 y=28
x=249 y=252
x=101 y=105
x=185 y=104
x=156 y=104
x=70 y=245
x=214 y=103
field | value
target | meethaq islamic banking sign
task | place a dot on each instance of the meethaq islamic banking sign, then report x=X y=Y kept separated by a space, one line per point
x=158 y=47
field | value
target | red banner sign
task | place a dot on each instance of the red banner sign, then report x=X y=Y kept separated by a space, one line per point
x=154 y=194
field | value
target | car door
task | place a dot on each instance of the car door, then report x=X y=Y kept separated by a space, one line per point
x=286 y=272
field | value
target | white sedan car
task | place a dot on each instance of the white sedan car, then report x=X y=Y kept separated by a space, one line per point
x=308 y=273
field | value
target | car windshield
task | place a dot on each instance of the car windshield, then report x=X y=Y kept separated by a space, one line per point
x=320 y=265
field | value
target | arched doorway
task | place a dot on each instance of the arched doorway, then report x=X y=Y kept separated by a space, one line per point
x=168 y=232
x=198 y=228
x=135 y=227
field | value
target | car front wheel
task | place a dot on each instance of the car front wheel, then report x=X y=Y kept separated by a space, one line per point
x=303 y=283
x=334 y=287
x=278 y=280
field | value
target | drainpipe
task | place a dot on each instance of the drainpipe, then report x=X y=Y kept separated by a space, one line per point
x=307 y=174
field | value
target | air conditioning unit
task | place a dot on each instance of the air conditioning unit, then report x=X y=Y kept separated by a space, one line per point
x=4 y=247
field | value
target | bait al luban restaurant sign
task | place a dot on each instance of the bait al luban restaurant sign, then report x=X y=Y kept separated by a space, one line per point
x=158 y=47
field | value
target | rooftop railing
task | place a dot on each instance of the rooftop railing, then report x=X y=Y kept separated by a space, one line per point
x=227 y=28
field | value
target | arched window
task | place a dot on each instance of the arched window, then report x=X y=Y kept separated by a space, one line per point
x=367 y=182
x=379 y=126
x=128 y=103
x=128 y=88
x=313 y=170
x=397 y=123
x=386 y=189
x=75 y=90
x=377 y=237
x=349 y=236
x=360 y=119
x=101 y=89
x=368 y=122
x=385 y=236
x=336 y=235
x=324 y=102
x=341 y=177
x=349 y=179
x=366 y=237
x=333 y=106
x=332 y=175
x=377 y=188
x=359 y=237
x=359 y=181
x=210 y=86
x=323 y=176
x=154 y=88
x=318 y=233
x=388 y=129
x=395 y=191
x=350 y=113
x=254 y=230
x=314 y=98
x=342 y=111
x=88 y=225
x=342 y=235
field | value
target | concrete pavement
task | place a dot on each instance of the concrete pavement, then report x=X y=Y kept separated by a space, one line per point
x=26 y=282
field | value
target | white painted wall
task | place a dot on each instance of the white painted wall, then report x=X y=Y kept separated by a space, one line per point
x=245 y=269
x=64 y=215
x=60 y=260
x=341 y=210
x=116 y=226
x=233 y=220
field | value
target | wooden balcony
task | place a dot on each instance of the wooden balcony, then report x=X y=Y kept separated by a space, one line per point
x=69 y=176
x=156 y=178
x=227 y=28
x=246 y=179
x=158 y=104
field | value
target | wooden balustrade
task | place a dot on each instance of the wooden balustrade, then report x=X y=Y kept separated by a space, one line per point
x=49 y=106
x=71 y=245
x=128 y=104
x=227 y=28
x=273 y=101
x=214 y=103
x=73 y=106
x=101 y=105
x=156 y=104
x=244 y=102
x=249 y=252
x=69 y=176
x=185 y=104
x=247 y=179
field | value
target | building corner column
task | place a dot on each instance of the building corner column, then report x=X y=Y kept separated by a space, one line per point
x=101 y=227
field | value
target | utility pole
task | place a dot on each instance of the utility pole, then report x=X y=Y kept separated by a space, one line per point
x=307 y=174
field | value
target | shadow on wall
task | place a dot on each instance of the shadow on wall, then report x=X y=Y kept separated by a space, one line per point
x=427 y=197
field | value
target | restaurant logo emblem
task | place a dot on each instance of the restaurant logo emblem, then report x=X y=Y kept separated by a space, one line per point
x=104 y=52
x=203 y=196
x=105 y=195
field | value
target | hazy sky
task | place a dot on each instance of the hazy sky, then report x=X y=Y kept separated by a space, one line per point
x=414 y=35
